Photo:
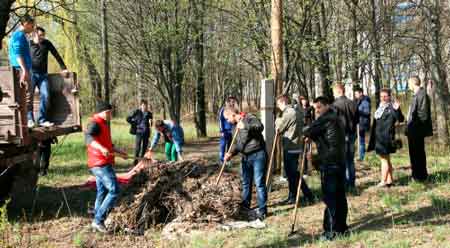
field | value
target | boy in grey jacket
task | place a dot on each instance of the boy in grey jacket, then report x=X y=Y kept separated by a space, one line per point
x=290 y=126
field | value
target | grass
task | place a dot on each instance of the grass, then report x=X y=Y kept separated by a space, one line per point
x=410 y=214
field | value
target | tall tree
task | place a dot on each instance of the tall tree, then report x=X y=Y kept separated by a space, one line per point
x=438 y=71
x=276 y=22
x=199 y=49
x=105 y=50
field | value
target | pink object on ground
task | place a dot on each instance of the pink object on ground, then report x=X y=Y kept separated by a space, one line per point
x=125 y=178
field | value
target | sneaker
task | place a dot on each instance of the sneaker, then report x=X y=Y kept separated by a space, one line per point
x=381 y=185
x=244 y=208
x=99 y=227
x=261 y=216
x=282 y=180
x=46 y=124
x=30 y=123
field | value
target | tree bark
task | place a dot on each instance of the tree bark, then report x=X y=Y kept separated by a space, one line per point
x=324 y=55
x=276 y=22
x=439 y=75
x=200 y=105
x=376 y=49
x=105 y=51
x=354 y=66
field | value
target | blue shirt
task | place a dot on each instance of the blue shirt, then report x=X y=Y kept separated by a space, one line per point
x=224 y=125
x=19 y=47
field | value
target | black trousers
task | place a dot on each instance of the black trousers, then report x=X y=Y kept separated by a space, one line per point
x=417 y=157
x=141 y=144
x=293 y=176
x=333 y=189
x=45 y=150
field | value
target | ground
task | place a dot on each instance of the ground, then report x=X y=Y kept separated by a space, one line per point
x=407 y=215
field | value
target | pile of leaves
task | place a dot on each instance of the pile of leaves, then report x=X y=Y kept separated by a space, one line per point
x=182 y=191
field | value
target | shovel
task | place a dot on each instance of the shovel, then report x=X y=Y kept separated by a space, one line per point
x=224 y=162
x=297 y=198
x=272 y=154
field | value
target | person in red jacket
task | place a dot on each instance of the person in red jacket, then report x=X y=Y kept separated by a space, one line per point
x=100 y=152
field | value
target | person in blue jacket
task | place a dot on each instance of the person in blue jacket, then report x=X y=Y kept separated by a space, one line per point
x=225 y=127
x=173 y=139
x=363 y=103
x=20 y=57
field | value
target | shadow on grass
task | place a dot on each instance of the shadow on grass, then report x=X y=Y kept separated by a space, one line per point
x=295 y=240
x=430 y=215
x=48 y=203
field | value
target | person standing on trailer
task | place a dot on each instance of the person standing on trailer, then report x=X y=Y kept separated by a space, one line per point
x=40 y=47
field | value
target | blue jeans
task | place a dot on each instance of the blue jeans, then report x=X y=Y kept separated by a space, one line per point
x=107 y=192
x=225 y=142
x=254 y=169
x=40 y=80
x=293 y=175
x=362 y=143
x=350 y=176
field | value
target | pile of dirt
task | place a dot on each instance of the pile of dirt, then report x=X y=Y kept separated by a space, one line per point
x=182 y=192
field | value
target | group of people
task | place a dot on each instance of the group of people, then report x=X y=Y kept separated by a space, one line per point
x=327 y=131
x=334 y=127
x=141 y=122
x=28 y=56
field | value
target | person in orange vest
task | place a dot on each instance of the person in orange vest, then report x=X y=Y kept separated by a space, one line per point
x=100 y=152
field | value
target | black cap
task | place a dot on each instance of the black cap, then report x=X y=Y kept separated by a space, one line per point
x=103 y=106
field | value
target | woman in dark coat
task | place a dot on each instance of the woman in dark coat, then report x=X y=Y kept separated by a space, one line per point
x=382 y=138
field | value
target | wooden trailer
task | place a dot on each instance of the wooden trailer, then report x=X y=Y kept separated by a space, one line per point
x=18 y=143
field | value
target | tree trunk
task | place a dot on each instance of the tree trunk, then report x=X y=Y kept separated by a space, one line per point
x=324 y=55
x=200 y=105
x=140 y=82
x=375 y=43
x=276 y=22
x=105 y=51
x=354 y=66
x=5 y=9
x=439 y=75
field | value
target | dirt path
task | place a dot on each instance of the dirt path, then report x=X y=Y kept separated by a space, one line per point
x=205 y=149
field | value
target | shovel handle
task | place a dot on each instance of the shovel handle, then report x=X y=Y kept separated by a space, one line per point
x=224 y=162
x=297 y=197
x=272 y=154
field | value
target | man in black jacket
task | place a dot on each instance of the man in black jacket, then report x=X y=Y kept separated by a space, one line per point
x=347 y=112
x=141 y=121
x=250 y=143
x=419 y=126
x=328 y=134
x=40 y=47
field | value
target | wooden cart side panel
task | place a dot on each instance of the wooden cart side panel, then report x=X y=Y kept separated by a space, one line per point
x=12 y=119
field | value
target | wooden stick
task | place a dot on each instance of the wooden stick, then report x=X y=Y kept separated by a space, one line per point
x=272 y=154
x=297 y=198
x=224 y=162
